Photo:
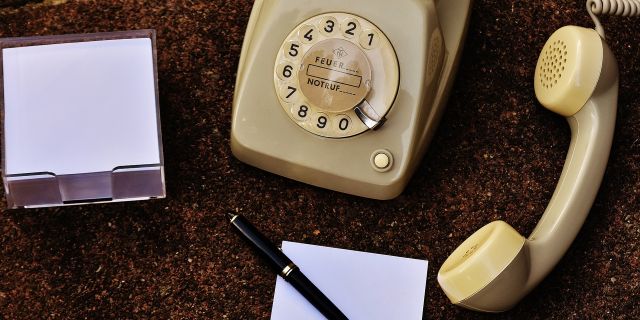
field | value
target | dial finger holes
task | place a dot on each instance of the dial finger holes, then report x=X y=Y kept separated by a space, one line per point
x=286 y=71
x=321 y=121
x=289 y=93
x=350 y=28
x=342 y=122
x=329 y=26
x=369 y=39
x=301 y=112
x=293 y=50
x=325 y=68
x=308 y=34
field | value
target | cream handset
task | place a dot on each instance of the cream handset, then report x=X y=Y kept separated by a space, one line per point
x=576 y=77
x=345 y=95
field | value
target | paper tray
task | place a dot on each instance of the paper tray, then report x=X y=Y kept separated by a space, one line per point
x=81 y=120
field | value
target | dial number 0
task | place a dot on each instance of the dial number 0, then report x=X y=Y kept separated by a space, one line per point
x=343 y=124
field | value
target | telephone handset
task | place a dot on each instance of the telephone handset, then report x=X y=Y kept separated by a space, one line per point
x=345 y=95
x=576 y=77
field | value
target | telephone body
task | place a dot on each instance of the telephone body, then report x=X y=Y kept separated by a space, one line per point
x=345 y=95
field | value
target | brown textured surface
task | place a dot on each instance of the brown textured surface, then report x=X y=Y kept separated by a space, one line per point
x=497 y=155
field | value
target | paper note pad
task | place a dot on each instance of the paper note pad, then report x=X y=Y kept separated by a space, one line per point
x=81 y=119
x=80 y=107
x=364 y=286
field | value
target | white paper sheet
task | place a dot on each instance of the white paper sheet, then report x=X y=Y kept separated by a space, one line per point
x=364 y=286
x=80 y=107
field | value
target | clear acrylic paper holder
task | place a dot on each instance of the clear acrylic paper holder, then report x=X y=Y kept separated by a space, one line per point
x=81 y=119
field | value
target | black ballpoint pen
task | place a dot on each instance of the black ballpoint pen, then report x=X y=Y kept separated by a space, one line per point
x=282 y=265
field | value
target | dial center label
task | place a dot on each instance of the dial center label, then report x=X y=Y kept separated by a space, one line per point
x=335 y=75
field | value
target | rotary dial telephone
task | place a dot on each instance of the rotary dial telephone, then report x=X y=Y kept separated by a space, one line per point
x=345 y=95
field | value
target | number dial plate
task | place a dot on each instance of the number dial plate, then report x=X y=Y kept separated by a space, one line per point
x=308 y=87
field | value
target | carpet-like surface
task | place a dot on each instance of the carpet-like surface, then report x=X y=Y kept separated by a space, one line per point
x=497 y=155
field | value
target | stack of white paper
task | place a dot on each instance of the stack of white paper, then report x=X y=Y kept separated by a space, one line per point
x=364 y=286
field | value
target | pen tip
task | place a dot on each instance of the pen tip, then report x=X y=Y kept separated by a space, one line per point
x=231 y=216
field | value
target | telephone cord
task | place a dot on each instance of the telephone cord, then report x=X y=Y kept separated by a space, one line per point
x=625 y=8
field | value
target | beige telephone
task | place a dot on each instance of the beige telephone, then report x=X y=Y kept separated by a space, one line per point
x=345 y=95
x=576 y=77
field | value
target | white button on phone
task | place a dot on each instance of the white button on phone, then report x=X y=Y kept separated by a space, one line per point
x=382 y=160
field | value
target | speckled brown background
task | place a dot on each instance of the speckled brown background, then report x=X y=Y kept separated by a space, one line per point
x=497 y=155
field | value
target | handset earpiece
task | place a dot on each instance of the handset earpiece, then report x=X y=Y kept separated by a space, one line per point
x=577 y=77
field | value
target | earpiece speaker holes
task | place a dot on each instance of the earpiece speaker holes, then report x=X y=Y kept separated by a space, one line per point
x=553 y=64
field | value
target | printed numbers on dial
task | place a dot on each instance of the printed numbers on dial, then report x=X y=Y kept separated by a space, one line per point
x=308 y=34
x=293 y=50
x=342 y=123
x=321 y=121
x=289 y=69
x=369 y=39
x=329 y=25
x=286 y=71
x=350 y=28
x=301 y=112
x=289 y=93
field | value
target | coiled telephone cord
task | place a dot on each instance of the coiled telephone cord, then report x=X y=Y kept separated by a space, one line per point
x=625 y=8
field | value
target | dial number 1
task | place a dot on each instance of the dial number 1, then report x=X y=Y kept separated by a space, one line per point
x=369 y=39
